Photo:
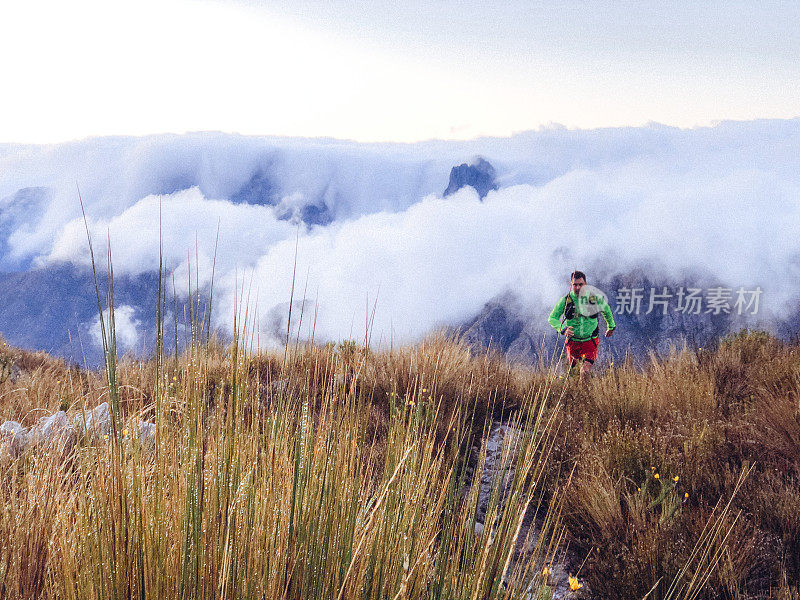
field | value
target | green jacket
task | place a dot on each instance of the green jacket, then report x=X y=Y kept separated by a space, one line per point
x=584 y=328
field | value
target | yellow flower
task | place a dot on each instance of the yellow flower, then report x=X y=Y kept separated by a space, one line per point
x=656 y=476
x=639 y=489
x=174 y=379
x=546 y=571
x=105 y=437
x=685 y=495
x=424 y=390
x=573 y=584
x=675 y=479
x=125 y=432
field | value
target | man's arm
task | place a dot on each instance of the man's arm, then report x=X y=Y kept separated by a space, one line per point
x=555 y=317
x=608 y=316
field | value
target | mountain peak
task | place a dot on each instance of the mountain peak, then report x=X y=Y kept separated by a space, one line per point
x=478 y=174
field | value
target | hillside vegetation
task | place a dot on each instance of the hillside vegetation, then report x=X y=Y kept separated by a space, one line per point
x=339 y=472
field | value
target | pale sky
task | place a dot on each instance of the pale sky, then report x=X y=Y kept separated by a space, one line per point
x=389 y=71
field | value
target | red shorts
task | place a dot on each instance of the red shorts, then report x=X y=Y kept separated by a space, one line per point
x=586 y=350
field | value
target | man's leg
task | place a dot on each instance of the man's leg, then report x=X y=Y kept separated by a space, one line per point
x=589 y=355
x=572 y=359
x=586 y=368
x=574 y=368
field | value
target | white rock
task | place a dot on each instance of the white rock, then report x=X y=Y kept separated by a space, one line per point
x=98 y=421
x=56 y=432
x=55 y=424
x=13 y=437
x=147 y=435
x=14 y=374
x=12 y=427
x=494 y=472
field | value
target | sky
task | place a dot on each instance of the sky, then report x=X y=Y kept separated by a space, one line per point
x=389 y=71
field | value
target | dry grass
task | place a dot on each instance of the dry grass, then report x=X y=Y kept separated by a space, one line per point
x=340 y=472
x=703 y=416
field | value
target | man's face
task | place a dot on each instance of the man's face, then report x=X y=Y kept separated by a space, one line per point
x=577 y=284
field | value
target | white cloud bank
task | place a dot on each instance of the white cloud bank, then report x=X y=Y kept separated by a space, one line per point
x=185 y=224
x=439 y=261
x=723 y=201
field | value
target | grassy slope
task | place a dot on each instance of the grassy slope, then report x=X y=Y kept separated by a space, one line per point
x=337 y=471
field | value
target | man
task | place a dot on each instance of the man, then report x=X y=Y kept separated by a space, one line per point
x=581 y=332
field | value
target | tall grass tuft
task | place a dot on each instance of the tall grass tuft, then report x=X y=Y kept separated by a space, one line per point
x=294 y=490
x=291 y=498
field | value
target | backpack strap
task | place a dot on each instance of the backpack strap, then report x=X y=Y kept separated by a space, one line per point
x=569 y=307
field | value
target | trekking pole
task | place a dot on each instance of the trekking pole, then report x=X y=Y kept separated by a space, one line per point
x=560 y=329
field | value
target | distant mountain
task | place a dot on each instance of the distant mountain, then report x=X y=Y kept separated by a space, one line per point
x=479 y=174
x=260 y=191
x=498 y=325
x=55 y=309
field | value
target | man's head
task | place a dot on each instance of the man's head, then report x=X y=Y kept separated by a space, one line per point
x=578 y=279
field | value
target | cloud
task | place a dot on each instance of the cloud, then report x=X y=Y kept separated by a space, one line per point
x=126 y=327
x=430 y=265
x=721 y=203
x=110 y=175
x=185 y=224
x=439 y=261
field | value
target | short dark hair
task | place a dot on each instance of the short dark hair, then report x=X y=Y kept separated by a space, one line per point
x=577 y=275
